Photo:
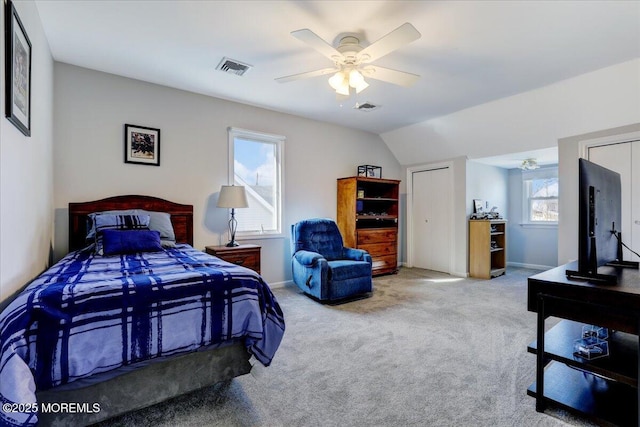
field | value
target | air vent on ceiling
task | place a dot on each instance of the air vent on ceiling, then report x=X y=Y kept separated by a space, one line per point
x=232 y=66
x=366 y=106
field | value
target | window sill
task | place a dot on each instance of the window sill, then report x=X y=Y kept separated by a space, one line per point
x=535 y=225
x=259 y=236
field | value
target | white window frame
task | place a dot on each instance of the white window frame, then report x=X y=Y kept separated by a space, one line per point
x=278 y=141
x=541 y=173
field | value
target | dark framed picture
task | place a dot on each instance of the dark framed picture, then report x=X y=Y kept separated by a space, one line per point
x=141 y=145
x=18 y=71
x=478 y=205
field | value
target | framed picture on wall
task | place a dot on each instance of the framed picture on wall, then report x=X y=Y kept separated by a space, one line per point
x=18 y=71
x=141 y=145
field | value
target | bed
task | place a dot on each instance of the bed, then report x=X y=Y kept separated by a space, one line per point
x=107 y=334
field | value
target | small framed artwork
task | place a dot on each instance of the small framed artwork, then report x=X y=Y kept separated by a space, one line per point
x=18 y=71
x=478 y=206
x=141 y=145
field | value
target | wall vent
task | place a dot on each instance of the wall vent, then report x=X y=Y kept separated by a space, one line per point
x=366 y=106
x=232 y=66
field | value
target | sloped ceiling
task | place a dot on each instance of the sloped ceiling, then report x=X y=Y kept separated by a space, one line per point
x=470 y=52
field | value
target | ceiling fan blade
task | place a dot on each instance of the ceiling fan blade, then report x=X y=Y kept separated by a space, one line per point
x=306 y=75
x=400 y=78
x=313 y=40
x=404 y=34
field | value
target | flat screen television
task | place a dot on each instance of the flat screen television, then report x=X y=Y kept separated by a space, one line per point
x=599 y=223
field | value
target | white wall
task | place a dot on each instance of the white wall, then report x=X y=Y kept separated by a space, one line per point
x=26 y=167
x=569 y=150
x=529 y=245
x=91 y=109
x=603 y=99
x=488 y=183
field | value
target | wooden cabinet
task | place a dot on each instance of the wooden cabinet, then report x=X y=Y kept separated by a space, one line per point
x=487 y=248
x=368 y=219
x=244 y=255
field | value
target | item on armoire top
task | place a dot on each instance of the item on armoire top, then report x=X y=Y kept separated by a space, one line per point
x=370 y=171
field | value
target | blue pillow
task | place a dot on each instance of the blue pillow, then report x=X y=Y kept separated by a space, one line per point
x=116 y=242
x=117 y=222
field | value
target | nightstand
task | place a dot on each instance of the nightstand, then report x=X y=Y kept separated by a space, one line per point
x=244 y=255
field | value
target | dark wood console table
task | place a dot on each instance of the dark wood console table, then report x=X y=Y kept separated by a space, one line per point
x=604 y=389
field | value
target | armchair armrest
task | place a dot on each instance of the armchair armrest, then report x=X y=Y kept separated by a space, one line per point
x=356 y=254
x=307 y=258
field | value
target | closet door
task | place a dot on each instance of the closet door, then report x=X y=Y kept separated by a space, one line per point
x=431 y=220
x=618 y=158
x=635 y=199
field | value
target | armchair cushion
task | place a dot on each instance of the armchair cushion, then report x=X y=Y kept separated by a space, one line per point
x=347 y=269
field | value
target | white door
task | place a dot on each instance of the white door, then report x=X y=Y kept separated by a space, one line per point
x=431 y=219
x=618 y=158
x=635 y=201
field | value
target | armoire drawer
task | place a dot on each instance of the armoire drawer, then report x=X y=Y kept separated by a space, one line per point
x=385 y=264
x=379 y=249
x=377 y=235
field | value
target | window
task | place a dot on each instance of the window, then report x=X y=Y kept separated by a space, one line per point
x=255 y=162
x=540 y=196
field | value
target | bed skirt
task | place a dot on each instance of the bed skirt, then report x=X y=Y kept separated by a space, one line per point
x=145 y=386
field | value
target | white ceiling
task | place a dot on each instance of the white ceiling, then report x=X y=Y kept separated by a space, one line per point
x=470 y=52
x=544 y=157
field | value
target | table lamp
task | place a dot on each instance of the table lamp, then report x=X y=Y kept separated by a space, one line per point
x=232 y=196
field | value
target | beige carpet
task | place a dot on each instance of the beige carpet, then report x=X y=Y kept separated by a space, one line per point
x=426 y=349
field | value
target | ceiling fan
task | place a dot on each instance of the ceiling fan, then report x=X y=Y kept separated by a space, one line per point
x=352 y=62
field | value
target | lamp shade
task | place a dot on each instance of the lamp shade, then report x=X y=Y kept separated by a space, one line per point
x=232 y=196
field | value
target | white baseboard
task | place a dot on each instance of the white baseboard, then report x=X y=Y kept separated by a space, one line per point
x=453 y=273
x=460 y=274
x=276 y=285
x=532 y=266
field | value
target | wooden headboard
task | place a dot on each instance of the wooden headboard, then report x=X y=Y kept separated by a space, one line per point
x=181 y=216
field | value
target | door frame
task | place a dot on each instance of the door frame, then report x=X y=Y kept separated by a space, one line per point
x=426 y=168
x=584 y=145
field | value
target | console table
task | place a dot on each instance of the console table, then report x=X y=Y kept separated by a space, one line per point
x=605 y=389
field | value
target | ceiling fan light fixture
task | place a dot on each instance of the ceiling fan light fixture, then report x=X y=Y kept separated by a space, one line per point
x=352 y=61
x=343 y=89
x=355 y=78
x=356 y=81
x=529 y=164
x=361 y=86
x=340 y=83
x=337 y=80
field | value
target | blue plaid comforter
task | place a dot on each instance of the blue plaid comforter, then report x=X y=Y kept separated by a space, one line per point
x=89 y=314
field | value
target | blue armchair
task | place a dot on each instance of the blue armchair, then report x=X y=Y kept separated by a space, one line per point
x=323 y=267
